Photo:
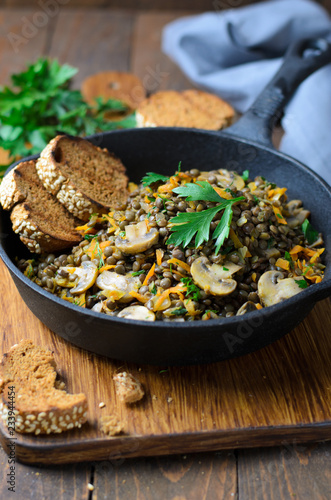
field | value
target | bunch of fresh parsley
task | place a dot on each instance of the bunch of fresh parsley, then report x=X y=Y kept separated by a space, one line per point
x=40 y=104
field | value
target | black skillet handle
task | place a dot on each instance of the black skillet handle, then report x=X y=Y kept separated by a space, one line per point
x=302 y=59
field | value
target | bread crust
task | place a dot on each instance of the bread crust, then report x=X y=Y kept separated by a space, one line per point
x=74 y=198
x=190 y=108
x=23 y=194
x=27 y=372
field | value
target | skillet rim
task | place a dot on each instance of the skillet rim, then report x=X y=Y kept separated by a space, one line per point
x=311 y=291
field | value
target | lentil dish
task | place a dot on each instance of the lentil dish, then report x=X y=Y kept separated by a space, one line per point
x=196 y=245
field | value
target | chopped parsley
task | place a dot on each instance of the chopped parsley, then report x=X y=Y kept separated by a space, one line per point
x=310 y=233
x=152 y=178
x=288 y=257
x=138 y=273
x=192 y=291
x=179 y=312
x=245 y=175
x=225 y=269
x=302 y=283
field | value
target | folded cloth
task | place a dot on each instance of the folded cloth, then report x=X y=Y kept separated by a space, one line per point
x=235 y=53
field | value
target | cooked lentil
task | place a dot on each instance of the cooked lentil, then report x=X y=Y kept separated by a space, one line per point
x=173 y=283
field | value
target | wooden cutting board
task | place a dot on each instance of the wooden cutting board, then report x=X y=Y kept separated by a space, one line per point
x=278 y=395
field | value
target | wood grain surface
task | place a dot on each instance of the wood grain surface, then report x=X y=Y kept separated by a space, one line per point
x=292 y=470
x=277 y=394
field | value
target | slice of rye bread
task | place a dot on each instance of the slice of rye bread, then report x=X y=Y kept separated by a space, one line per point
x=29 y=389
x=190 y=108
x=125 y=87
x=41 y=222
x=85 y=178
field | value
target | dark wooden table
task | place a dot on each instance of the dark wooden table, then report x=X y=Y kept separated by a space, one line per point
x=96 y=40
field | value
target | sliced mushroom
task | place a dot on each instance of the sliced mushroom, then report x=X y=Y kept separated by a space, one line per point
x=138 y=238
x=247 y=307
x=225 y=178
x=297 y=214
x=214 y=278
x=97 y=307
x=271 y=253
x=137 y=312
x=229 y=178
x=115 y=282
x=318 y=242
x=273 y=288
x=86 y=275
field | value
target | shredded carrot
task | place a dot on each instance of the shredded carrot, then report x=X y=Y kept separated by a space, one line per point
x=104 y=244
x=316 y=255
x=283 y=263
x=139 y=296
x=105 y=268
x=275 y=194
x=236 y=241
x=258 y=306
x=150 y=273
x=223 y=193
x=80 y=300
x=189 y=305
x=175 y=289
x=252 y=186
x=180 y=263
x=159 y=256
x=86 y=229
x=279 y=215
x=92 y=249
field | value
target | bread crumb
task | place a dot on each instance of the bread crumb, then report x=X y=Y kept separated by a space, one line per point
x=102 y=404
x=90 y=487
x=169 y=400
x=128 y=388
x=111 y=425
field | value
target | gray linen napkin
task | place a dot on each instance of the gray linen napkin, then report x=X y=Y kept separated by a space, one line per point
x=234 y=53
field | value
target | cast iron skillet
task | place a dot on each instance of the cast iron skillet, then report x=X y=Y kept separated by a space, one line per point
x=246 y=145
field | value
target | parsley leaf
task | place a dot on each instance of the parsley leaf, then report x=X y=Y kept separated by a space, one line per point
x=187 y=225
x=287 y=256
x=201 y=190
x=302 y=283
x=138 y=273
x=192 y=291
x=179 y=311
x=245 y=175
x=310 y=233
x=40 y=104
x=223 y=227
x=152 y=177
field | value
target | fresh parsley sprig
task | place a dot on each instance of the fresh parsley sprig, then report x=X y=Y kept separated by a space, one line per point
x=186 y=226
x=152 y=177
x=309 y=232
x=40 y=104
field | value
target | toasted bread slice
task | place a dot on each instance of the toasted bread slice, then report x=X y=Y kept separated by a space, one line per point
x=29 y=389
x=191 y=108
x=85 y=178
x=125 y=87
x=42 y=223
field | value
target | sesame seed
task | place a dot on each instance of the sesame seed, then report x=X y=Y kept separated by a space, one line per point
x=102 y=404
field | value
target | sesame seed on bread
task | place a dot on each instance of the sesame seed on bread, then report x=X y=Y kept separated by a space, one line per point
x=28 y=387
x=125 y=87
x=190 y=108
x=41 y=222
x=85 y=178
